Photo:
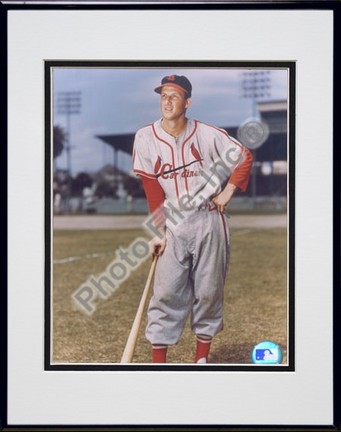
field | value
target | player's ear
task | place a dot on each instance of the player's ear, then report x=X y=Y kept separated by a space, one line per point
x=188 y=102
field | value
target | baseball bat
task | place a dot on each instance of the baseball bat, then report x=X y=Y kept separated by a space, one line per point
x=132 y=338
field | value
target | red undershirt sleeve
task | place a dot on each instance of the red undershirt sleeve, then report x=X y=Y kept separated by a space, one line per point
x=155 y=198
x=240 y=176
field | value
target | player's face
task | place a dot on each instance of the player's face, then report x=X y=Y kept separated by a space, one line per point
x=173 y=103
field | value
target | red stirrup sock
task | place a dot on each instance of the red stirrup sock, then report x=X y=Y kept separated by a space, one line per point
x=159 y=353
x=203 y=348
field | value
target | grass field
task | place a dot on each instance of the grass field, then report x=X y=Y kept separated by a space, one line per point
x=255 y=306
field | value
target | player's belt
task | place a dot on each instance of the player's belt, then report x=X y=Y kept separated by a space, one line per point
x=186 y=209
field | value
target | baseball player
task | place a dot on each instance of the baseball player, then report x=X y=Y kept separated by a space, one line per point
x=190 y=171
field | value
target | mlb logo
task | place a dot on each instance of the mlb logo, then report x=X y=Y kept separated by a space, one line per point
x=267 y=355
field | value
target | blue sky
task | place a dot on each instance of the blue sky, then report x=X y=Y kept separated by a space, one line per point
x=121 y=100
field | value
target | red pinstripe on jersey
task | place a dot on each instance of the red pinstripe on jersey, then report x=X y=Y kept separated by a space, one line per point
x=183 y=153
x=173 y=159
x=244 y=166
x=150 y=176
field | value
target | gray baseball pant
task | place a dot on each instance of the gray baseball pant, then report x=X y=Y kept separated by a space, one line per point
x=190 y=277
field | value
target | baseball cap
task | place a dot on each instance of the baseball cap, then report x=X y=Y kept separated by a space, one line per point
x=179 y=81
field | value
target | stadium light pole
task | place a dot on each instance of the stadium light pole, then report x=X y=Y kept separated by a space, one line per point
x=256 y=85
x=68 y=103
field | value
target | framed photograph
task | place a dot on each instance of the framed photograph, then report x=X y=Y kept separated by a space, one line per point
x=104 y=122
x=110 y=193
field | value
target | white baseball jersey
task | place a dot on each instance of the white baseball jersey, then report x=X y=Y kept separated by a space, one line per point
x=190 y=168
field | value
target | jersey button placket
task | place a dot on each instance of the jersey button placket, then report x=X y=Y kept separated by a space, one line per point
x=177 y=146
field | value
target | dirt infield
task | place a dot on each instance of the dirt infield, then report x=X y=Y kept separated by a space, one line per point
x=135 y=221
